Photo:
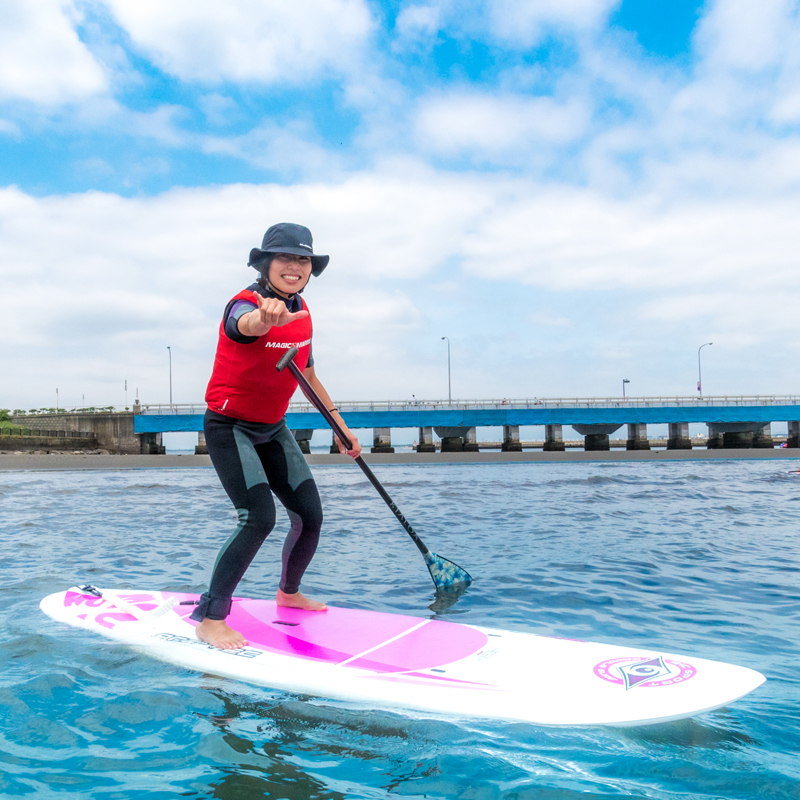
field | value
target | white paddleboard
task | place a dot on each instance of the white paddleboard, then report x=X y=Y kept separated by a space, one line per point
x=395 y=661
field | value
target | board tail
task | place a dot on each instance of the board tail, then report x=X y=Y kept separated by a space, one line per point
x=146 y=617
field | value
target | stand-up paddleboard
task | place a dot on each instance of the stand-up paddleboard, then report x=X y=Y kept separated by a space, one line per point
x=394 y=661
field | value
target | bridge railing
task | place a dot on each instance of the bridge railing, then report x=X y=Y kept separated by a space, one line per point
x=464 y=405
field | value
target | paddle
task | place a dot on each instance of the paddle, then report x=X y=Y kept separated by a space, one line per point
x=445 y=573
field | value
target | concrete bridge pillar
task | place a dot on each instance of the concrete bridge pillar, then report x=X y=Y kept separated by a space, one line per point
x=511 y=442
x=553 y=439
x=382 y=440
x=734 y=440
x=733 y=434
x=334 y=443
x=151 y=444
x=678 y=436
x=596 y=435
x=425 y=441
x=762 y=437
x=202 y=448
x=452 y=438
x=471 y=440
x=637 y=437
x=596 y=441
x=303 y=439
x=794 y=434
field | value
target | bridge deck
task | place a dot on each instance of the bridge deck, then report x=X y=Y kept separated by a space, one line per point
x=491 y=413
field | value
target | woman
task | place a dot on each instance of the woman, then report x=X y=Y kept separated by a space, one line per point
x=253 y=451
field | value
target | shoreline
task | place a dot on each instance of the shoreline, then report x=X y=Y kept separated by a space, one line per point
x=28 y=462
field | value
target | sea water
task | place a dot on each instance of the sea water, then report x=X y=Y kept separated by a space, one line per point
x=700 y=558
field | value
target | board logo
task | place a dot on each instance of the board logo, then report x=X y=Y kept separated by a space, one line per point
x=633 y=671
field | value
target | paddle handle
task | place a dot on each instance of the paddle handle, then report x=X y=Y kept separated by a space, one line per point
x=287 y=360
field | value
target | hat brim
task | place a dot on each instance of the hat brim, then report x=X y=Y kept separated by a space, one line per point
x=318 y=263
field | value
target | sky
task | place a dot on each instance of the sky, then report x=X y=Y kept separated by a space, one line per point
x=573 y=192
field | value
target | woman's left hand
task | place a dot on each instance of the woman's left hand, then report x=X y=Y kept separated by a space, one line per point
x=355 y=450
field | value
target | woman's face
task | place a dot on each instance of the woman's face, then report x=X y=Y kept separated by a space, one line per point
x=289 y=273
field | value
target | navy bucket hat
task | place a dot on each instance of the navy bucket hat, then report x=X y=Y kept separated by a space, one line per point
x=286 y=237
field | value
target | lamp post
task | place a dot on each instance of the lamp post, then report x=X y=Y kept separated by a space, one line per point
x=699 y=373
x=449 y=393
x=170 y=374
x=624 y=381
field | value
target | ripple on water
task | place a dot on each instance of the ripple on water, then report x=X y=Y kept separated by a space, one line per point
x=701 y=558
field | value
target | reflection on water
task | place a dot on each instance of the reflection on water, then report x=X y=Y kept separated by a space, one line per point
x=685 y=557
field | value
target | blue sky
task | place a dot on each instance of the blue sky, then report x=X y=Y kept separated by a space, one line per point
x=573 y=191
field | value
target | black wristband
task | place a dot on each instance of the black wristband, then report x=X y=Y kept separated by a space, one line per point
x=331 y=410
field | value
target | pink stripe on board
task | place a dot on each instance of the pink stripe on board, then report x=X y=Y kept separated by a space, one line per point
x=331 y=636
x=431 y=645
x=338 y=634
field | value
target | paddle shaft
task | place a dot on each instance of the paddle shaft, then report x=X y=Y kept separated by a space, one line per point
x=337 y=429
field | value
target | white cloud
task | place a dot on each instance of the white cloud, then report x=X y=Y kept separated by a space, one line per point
x=132 y=276
x=515 y=23
x=525 y=22
x=9 y=128
x=219 y=109
x=283 y=149
x=489 y=126
x=748 y=66
x=786 y=109
x=740 y=34
x=578 y=240
x=677 y=220
x=258 y=41
x=418 y=21
x=129 y=276
x=41 y=57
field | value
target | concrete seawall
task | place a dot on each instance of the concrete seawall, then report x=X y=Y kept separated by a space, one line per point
x=114 y=462
x=46 y=443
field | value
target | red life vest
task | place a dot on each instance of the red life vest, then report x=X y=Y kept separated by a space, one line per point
x=245 y=384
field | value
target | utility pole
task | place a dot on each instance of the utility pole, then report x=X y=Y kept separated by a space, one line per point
x=699 y=374
x=449 y=392
x=170 y=374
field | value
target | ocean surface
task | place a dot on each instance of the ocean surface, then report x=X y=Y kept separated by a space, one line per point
x=694 y=557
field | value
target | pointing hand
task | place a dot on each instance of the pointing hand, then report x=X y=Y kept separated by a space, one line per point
x=271 y=313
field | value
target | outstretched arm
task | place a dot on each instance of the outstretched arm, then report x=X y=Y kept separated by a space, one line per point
x=312 y=378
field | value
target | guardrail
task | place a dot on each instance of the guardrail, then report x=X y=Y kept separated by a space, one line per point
x=730 y=401
x=17 y=431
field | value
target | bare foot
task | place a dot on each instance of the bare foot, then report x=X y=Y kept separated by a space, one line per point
x=297 y=600
x=216 y=632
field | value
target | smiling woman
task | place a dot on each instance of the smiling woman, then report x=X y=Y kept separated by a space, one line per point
x=253 y=451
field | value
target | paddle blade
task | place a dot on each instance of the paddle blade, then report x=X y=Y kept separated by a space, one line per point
x=445 y=573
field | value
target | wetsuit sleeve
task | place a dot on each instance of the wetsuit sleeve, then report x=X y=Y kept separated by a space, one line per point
x=234 y=310
x=310 y=362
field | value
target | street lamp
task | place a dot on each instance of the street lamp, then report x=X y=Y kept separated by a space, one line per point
x=449 y=393
x=699 y=373
x=624 y=381
x=170 y=375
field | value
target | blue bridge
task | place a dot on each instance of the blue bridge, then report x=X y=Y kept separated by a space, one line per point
x=478 y=413
x=591 y=417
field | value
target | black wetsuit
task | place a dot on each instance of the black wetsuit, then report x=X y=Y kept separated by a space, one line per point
x=253 y=460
